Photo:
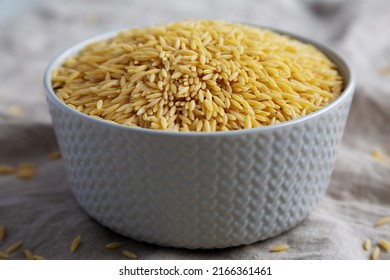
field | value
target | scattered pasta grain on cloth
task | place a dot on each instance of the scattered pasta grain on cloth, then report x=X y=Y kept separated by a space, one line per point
x=7 y=169
x=382 y=221
x=280 y=248
x=15 y=110
x=375 y=253
x=28 y=254
x=13 y=247
x=198 y=76
x=114 y=245
x=379 y=156
x=385 y=245
x=367 y=244
x=3 y=256
x=75 y=244
x=130 y=255
x=38 y=257
x=2 y=232
x=54 y=155
x=27 y=171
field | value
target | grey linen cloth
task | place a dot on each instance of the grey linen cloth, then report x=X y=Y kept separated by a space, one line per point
x=42 y=212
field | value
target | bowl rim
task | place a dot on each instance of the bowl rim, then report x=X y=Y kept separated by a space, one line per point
x=334 y=56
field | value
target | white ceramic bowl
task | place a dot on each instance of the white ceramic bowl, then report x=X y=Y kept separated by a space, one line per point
x=200 y=189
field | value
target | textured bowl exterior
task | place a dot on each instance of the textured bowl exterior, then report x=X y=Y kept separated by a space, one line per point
x=200 y=190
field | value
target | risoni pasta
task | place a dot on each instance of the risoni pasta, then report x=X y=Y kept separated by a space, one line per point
x=198 y=76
